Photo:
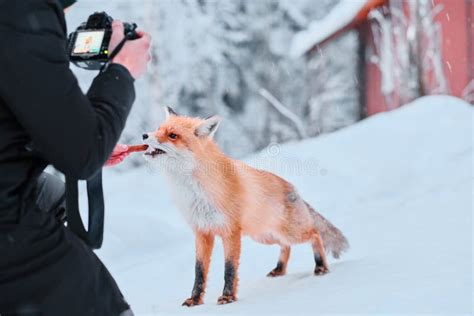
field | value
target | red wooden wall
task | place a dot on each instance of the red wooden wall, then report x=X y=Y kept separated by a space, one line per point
x=456 y=21
x=457 y=43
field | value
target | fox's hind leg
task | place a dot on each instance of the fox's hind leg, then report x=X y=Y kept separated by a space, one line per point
x=322 y=266
x=282 y=263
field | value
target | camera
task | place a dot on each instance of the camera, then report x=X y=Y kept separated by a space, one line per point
x=88 y=46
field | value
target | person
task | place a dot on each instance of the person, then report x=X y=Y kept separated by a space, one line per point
x=46 y=119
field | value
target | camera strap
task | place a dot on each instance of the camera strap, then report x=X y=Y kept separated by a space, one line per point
x=117 y=49
x=94 y=235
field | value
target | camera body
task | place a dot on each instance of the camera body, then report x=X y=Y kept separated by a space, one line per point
x=88 y=46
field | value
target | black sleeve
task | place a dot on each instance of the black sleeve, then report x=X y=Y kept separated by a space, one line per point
x=74 y=132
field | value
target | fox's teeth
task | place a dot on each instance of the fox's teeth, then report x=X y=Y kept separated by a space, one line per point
x=155 y=151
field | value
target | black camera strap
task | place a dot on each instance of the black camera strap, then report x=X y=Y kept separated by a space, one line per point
x=119 y=47
x=94 y=235
x=95 y=195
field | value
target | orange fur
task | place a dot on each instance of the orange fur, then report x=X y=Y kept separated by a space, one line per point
x=252 y=202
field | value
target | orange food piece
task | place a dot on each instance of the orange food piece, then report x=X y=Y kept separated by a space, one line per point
x=137 y=148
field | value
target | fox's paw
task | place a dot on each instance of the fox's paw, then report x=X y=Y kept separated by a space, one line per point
x=192 y=302
x=276 y=273
x=321 y=270
x=226 y=299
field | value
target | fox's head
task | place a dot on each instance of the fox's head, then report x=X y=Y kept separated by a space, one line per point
x=180 y=139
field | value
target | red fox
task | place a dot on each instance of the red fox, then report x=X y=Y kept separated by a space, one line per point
x=219 y=196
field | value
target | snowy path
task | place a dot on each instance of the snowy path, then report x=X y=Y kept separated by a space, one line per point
x=399 y=185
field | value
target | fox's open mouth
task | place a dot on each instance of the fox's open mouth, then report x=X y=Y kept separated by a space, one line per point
x=155 y=152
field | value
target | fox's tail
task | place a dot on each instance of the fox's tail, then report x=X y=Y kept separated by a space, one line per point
x=334 y=241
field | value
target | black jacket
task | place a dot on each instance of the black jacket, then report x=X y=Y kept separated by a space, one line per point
x=46 y=119
x=42 y=106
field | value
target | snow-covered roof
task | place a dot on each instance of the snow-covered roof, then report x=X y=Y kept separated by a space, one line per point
x=343 y=14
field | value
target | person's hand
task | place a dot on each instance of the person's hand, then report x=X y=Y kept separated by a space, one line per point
x=135 y=54
x=118 y=155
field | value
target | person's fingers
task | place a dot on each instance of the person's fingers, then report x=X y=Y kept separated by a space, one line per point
x=123 y=156
x=110 y=162
x=117 y=29
x=114 y=161
x=140 y=33
x=117 y=34
x=119 y=148
x=144 y=38
x=140 y=50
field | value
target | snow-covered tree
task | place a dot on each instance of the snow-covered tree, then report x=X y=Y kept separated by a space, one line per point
x=224 y=52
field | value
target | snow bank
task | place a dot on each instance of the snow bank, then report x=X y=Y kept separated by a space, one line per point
x=341 y=15
x=398 y=184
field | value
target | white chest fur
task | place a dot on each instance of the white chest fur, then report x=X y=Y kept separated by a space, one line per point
x=194 y=203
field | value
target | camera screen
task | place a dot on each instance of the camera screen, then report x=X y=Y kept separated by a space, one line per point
x=88 y=42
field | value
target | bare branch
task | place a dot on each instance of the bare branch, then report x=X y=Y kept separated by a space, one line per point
x=284 y=112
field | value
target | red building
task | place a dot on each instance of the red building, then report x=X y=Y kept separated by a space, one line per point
x=409 y=48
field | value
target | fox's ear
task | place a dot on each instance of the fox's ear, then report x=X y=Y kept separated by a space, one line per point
x=169 y=111
x=208 y=127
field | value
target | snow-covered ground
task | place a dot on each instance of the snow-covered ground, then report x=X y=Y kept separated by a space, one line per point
x=399 y=185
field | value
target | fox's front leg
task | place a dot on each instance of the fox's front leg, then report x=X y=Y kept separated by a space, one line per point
x=231 y=243
x=204 y=245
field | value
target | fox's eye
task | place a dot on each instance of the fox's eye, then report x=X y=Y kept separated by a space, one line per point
x=173 y=136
